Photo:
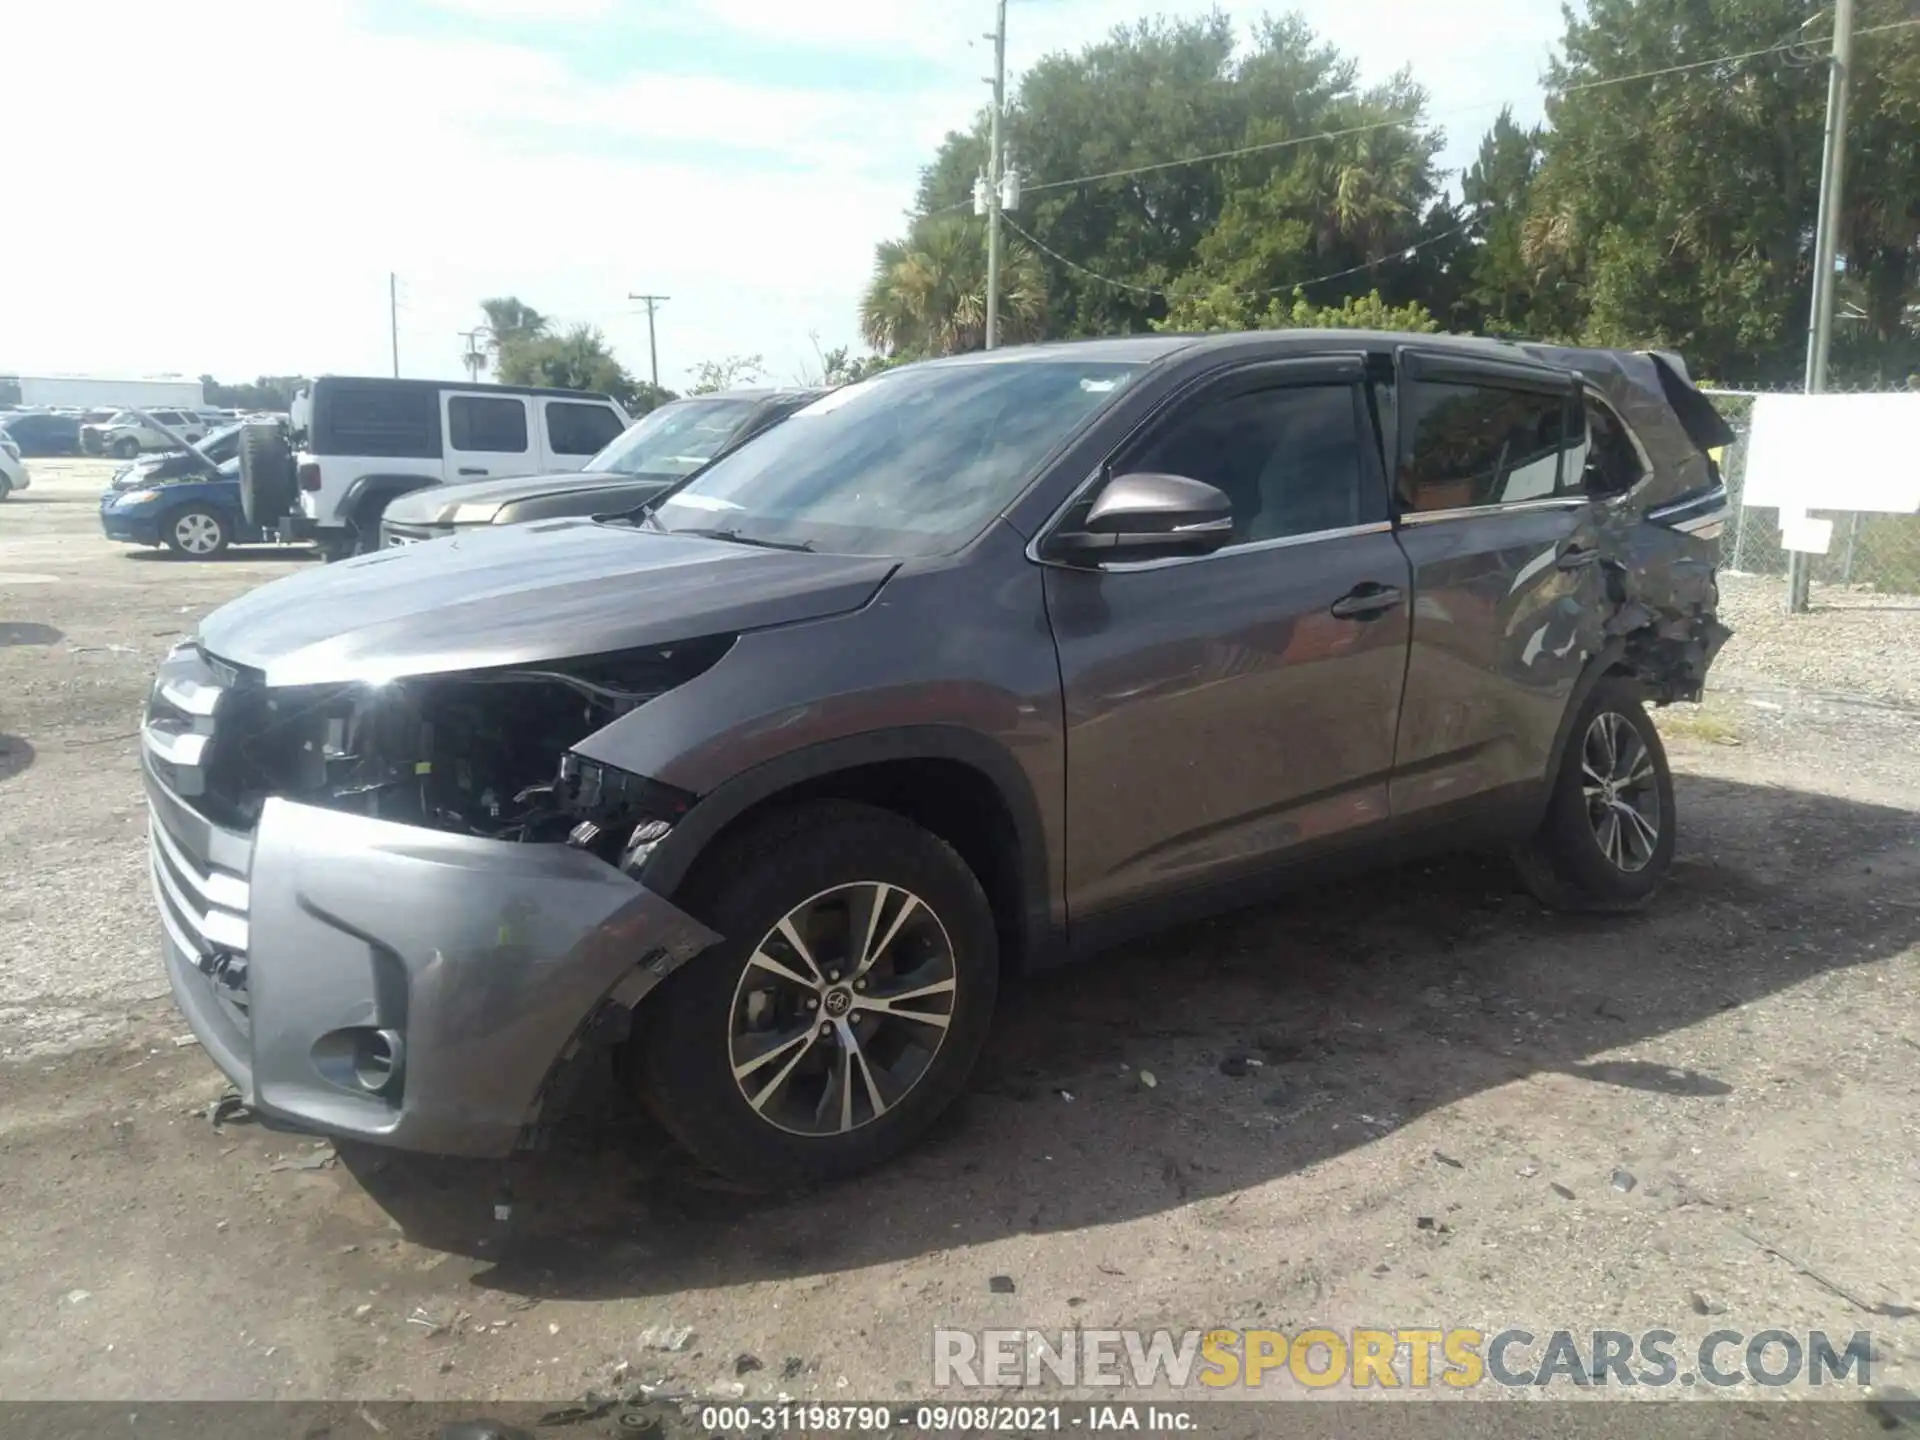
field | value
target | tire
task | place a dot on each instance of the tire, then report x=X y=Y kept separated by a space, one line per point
x=722 y=1009
x=268 y=485
x=366 y=529
x=6 y=487
x=126 y=447
x=196 y=533
x=1590 y=853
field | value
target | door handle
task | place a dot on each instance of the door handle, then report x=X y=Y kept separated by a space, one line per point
x=1367 y=601
x=1576 y=557
x=471 y=470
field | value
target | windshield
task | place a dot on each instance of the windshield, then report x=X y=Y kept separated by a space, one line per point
x=676 y=439
x=912 y=462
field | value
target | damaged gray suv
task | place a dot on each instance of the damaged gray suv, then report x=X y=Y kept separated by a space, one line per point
x=973 y=666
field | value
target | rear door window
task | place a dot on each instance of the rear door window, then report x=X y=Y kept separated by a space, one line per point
x=494 y=424
x=1483 y=445
x=578 y=428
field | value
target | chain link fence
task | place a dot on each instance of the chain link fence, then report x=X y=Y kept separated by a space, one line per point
x=1869 y=551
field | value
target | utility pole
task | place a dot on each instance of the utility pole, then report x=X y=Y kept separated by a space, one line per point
x=475 y=359
x=1826 y=244
x=652 y=302
x=994 y=170
x=393 y=319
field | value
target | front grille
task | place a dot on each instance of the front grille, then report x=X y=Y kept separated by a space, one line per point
x=200 y=868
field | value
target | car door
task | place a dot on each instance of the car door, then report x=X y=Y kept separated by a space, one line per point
x=1224 y=710
x=487 y=435
x=1502 y=542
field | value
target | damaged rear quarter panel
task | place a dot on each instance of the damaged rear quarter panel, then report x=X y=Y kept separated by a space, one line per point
x=1658 y=615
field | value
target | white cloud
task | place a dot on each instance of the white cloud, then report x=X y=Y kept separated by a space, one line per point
x=227 y=188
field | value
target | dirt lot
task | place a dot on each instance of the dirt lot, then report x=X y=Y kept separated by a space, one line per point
x=1466 y=1111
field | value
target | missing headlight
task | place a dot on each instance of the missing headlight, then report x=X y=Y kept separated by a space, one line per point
x=478 y=753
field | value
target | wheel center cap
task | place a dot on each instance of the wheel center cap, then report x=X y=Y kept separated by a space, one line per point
x=837 y=1001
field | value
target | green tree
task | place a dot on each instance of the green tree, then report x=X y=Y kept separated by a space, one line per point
x=511 y=322
x=1501 y=289
x=267 y=392
x=576 y=359
x=1296 y=208
x=1224 y=309
x=1683 y=205
x=726 y=374
x=928 y=293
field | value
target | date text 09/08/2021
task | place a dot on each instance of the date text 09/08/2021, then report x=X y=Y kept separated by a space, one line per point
x=963 y=1419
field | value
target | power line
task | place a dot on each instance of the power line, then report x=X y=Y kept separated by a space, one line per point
x=1798 y=43
x=1405 y=252
x=1338 y=134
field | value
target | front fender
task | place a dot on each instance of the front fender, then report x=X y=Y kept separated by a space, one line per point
x=676 y=855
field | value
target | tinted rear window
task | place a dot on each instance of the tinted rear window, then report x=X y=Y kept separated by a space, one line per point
x=578 y=429
x=382 y=420
x=1477 y=445
x=476 y=422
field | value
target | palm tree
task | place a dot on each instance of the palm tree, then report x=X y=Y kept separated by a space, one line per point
x=512 y=322
x=928 y=294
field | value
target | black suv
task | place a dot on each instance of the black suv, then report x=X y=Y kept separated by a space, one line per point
x=980 y=663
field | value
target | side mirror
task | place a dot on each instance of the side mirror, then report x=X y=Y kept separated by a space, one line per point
x=1148 y=517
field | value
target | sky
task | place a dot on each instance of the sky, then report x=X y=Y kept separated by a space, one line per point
x=225 y=186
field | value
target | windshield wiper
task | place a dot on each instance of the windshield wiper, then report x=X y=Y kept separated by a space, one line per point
x=737 y=538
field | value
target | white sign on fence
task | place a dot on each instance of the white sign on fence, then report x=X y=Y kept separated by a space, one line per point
x=1800 y=531
x=1834 y=452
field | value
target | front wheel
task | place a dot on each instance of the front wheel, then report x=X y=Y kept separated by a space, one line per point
x=196 y=533
x=1607 y=840
x=126 y=447
x=845 y=1008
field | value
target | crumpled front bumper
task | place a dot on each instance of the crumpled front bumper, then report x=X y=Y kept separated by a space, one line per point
x=485 y=958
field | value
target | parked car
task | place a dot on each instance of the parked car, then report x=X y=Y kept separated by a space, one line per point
x=217 y=446
x=128 y=432
x=661 y=448
x=13 y=471
x=197 y=517
x=984 y=662
x=42 y=432
x=358 y=444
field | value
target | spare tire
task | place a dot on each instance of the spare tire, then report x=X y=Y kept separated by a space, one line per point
x=267 y=483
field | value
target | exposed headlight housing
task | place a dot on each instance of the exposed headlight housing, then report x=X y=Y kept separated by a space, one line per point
x=137 y=497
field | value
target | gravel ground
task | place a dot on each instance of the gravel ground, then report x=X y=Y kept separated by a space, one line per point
x=1853 y=643
x=1451 y=1085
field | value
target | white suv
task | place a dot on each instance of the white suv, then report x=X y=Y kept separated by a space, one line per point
x=356 y=444
x=131 y=431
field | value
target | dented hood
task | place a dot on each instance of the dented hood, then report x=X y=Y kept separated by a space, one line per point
x=521 y=593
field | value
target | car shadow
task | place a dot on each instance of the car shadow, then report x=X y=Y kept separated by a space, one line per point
x=1277 y=1038
x=150 y=555
x=16 y=756
x=27 y=632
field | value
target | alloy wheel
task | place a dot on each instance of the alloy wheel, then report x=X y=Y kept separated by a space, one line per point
x=1622 y=790
x=197 y=532
x=841 y=1009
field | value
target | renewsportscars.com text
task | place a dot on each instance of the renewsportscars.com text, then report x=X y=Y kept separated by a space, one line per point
x=1414 y=1358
